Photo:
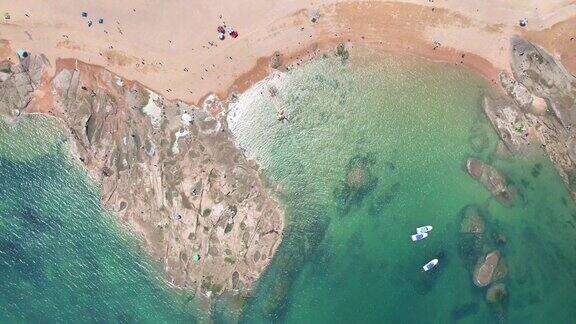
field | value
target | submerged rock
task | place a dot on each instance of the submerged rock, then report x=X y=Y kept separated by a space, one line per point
x=359 y=181
x=497 y=298
x=491 y=179
x=499 y=238
x=496 y=293
x=471 y=238
x=472 y=220
x=478 y=139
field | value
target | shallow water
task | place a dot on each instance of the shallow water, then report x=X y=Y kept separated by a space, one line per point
x=370 y=152
x=62 y=259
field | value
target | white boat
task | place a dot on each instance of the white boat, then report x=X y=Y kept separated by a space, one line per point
x=424 y=229
x=419 y=236
x=430 y=264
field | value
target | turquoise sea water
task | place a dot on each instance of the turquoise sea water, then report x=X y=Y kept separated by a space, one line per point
x=373 y=149
x=409 y=126
x=61 y=258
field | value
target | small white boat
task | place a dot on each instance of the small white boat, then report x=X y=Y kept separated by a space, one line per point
x=419 y=236
x=430 y=264
x=424 y=229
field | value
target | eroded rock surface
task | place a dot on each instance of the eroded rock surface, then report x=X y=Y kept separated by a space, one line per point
x=516 y=90
x=169 y=171
x=18 y=81
x=545 y=77
x=541 y=82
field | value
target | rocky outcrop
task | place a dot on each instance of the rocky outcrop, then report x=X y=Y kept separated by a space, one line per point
x=510 y=122
x=485 y=270
x=18 y=81
x=545 y=77
x=489 y=269
x=170 y=171
x=540 y=79
x=516 y=91
x=492 y=179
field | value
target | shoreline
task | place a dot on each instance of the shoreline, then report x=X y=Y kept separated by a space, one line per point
x=262 y=70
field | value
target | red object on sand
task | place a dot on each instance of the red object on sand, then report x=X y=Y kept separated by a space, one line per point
x=234 y=34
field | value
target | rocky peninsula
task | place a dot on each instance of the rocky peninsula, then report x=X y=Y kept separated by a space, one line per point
x=168 y=170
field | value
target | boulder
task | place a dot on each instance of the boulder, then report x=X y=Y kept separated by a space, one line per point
x=484 y=273
x=539 y=105
x=475 y=168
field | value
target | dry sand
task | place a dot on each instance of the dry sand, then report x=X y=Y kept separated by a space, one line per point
x=166 y=44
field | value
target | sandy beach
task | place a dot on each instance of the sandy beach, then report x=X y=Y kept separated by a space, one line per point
x=174 y=48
